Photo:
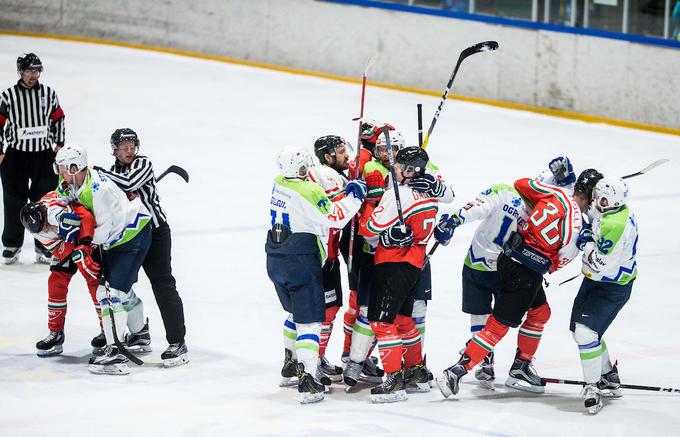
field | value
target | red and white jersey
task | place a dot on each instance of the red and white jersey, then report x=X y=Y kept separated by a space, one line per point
x=554 y=222
x=333 y=183
x=420 y=214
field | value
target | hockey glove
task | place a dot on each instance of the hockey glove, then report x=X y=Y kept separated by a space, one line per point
x=356 y=188
x=376 y=184
x=395 y=237
x=585 y=236
x=445 y=228
x=69 y=227
x=82 y=256
x=562 y=171
x=427 y=184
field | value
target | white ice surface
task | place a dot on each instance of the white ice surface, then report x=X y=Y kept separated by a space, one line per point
x=224 y=124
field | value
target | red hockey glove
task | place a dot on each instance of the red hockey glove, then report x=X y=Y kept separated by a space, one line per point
x=82 y=256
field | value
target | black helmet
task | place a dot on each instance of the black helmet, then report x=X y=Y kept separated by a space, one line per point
x=586 y=182
x=33 y=216
x=30 y=61
x=327 y=145
x=123 y=134
x=414 y=158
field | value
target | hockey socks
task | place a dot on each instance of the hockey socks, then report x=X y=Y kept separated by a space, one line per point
x=411 y=340
x=307 y=345
x=290 y=335
x=593 y=352
x=57 y=288
x=327 y=329
x=484 y=341
x=349 y=318
x=530 y=332
x=128 y=310
x=477 y=322
x=362 y=337
x=396 y=341
x=418 y=315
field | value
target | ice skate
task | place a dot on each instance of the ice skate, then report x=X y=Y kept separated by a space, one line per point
x=289 y=370
x=449 y=381
x=10 y=255
x=351 y=374
x=98 y=344
x=485 y=374
x=42 y=255
x=310 y=389
x=592 y=398
x=322 y=377
x=140 y=341
x=610 y=384
x=391 y=390
x=370 y=372
x=523 y=377
x=110 y=363
x=416 y=379
x=175 y=355
x=51 y=345
x=333 y=372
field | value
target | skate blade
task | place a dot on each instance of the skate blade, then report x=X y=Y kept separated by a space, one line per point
x=487 y=384
x=140 y=348
x=520 y=384
x=612 y=394
x=443 y=384
x=334 y=378
x=595 y=408
x=175 y=362
x=289 y=382
x=419 y=387
x=56 y=350
x=310 y=398
x=397 y=396
x=10 y=261
x=371 y=379
x=109 y=369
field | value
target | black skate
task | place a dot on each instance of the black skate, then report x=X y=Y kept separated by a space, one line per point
x=449 y=381
x=332 y=372
x=110 y=363
x=485 y=374
x=175 y=355
x=351 y=374
x=42 y=255
x=392 y=389
x=98 y=344
x=310 y=389
x=416 y=379
x=51 y=345
x=140 y=341
x=592 y=398
x=610 y=384
x=289 y=370
x=523 y=377
x=370 y=371
x=11 y=255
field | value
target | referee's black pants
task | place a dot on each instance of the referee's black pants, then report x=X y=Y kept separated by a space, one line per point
x=157 y=267
x=25 y=176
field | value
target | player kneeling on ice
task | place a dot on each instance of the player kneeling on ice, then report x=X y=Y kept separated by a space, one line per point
x=545 y=244
x=62 y=229
x=301 y=218
x=610 y=268
x=122 y=229
x=399 y=259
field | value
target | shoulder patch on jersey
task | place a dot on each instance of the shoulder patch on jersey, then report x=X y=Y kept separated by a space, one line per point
x=487 y=192
x=516 y=201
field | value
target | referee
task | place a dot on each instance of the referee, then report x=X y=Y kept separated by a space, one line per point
x=134 y=175
x=31 y=126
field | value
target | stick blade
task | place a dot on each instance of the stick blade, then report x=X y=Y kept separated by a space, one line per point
x=180 y=172
x=485 y=46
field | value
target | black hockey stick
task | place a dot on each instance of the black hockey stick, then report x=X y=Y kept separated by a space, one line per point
x=646 y=169
x=628 y=386
x=479 y=47
x=395 y=185
x=174 y=169
x=122 y=349
x=420 y=124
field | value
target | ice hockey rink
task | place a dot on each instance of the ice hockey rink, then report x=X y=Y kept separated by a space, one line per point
x=224 y=123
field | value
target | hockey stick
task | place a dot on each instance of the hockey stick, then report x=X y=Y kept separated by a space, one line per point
x=177 y=170
x=420 y=124
x=628 y=386
x=479 y=47
x=357 y=160
x=395 y=185
x=122 y=349
x=651 y=166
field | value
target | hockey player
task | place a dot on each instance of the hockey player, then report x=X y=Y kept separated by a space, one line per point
x=134 y=174
x=610 y=269
x=560 y=173
x=60 y=237
x=545 y=244
x=123 y=231
x=399 y=258
x=501 y=211
x=296 y=247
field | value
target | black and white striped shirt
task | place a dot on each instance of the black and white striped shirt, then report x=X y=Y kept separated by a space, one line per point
x=138 y=177
x=31 y=119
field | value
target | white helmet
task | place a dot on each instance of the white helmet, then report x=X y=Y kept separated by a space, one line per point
x=610 y=194
x=396 y=140
x=71 y=155
x=294 y=162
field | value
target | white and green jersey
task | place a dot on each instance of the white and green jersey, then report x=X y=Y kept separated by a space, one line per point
x=303 y=206
x=501 y=210
x=611 y=256
x=118 y=220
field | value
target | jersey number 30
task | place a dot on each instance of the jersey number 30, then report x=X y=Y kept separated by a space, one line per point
x=549 y=210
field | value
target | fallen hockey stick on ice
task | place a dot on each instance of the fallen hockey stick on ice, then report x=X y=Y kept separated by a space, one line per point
x=651 y=166
x=627 y=386
x=485 y=46
x=176 y=169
